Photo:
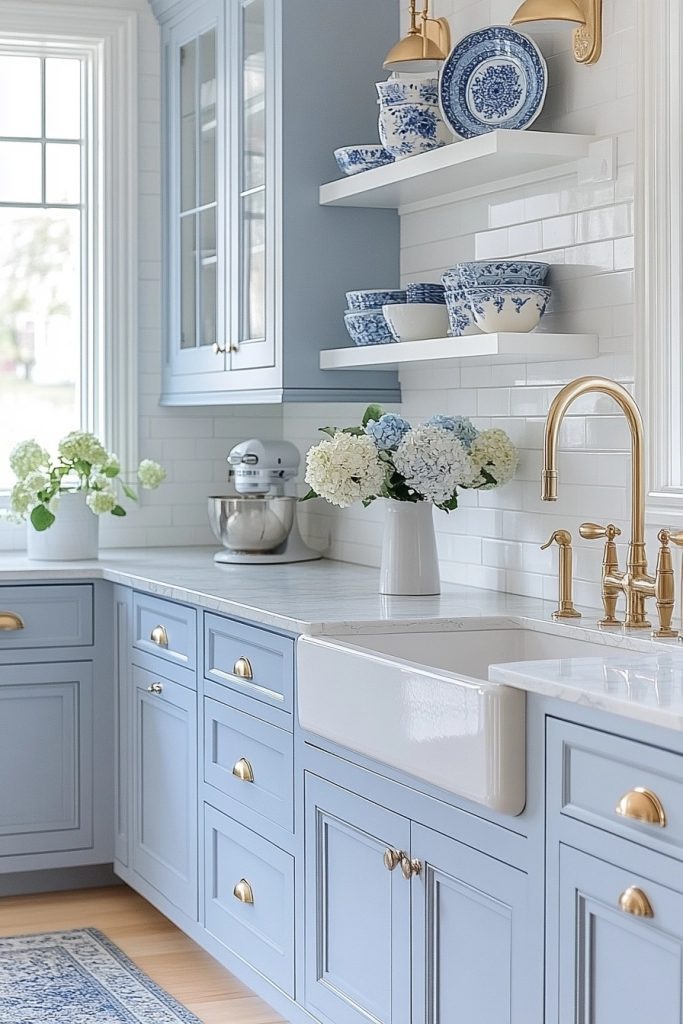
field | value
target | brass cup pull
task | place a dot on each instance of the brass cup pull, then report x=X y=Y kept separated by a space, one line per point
x=159 y=636
x=243 y=891
x=10 y=622
x=155 y=688
x=634 y=901
x=242 y=669
x=242 y=770
x=410 y=867
x=642 y=805
x=392 y=859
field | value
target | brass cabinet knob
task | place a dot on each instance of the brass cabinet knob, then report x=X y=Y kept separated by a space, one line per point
x=243 y=770
x=634 y=901
x=392 y=859
x=159 y=636
x=242 y=669
x=642 y=805
x=10 y=622
x=410 y=867
x=243 y=891
x=155 y=688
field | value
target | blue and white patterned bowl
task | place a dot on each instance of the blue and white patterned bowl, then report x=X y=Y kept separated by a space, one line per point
x=406 y=129
x=486 y=273
x=368 y=327
x=461 y=322
x=375 y=299
x=502 y=309
x=421 y=291
x=355 y=159
x=408 y=90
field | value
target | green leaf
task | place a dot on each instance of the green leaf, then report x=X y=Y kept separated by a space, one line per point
x=111 y=471
x=373 y=412
x=368 y=502
x=118 y=510
x=129 y=492
x=311 y=494
x=354 y=431
x=41 y=518
x=331 y=431
x=449 y=506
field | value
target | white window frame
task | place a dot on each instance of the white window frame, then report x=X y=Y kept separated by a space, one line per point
x=658 y=340
x=108 y=37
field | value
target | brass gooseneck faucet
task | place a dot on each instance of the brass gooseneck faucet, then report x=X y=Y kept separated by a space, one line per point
x=635 y=583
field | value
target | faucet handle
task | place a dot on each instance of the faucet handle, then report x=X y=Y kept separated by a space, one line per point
x=561 y=537
x=591 y=531
x=666 y=537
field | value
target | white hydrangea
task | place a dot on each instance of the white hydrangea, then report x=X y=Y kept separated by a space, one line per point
x=102 y=502
x=21 y=500
x=494 y=452
x=27 y=457
x=345 y=469
x=434 y=463
x=36 y=481
x=150 y=474
x=81 y=446
x=111 y=465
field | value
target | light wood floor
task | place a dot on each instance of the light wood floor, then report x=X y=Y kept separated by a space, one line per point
x=157 y=947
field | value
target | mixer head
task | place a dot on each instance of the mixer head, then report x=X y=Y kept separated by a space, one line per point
x=263 y=467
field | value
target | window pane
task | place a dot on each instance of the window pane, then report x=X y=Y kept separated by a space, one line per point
x=188 y=126
x=21 y=175
x=40 y=328
x=254 y=96
x=62 y=172
x=207 y=99
x=20 y=97
x=207 y=317
x=253 y=268
x=62 y=98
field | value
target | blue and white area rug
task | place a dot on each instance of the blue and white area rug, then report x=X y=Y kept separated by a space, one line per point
x=79 y=977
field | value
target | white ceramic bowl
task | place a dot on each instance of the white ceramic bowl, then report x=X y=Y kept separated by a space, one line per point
x=513 y=309
x=417 y=321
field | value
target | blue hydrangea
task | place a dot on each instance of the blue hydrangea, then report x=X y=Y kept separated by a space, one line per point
x=388 y=432
x=463 y=427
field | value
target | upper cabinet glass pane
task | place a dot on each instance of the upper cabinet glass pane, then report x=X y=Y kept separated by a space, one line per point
x=188 y=125
x=62 y=98
x=207 y=108
x=20 y=97
x=253 y=96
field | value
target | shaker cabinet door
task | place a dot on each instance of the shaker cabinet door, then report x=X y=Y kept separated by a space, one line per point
x=165 y=789
x=357 y=911
x=617 y=967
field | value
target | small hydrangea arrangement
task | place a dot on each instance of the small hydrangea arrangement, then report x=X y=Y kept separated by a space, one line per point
x=82 y=464
x=387 y=457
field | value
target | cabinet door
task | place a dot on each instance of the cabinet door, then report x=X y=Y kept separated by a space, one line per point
x=357 y=911
x=165 y=789
x=46 y=758
x=123 y=703
x=615 y=967
x=471 y=957
x=195 y=232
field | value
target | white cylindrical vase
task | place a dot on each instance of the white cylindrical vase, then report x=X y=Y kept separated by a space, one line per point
x=410 y=564
x=74 y=535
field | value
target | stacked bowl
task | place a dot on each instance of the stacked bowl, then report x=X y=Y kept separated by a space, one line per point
x=381 y=317
x=364 y=318
x=496 y=296
x=410 y=119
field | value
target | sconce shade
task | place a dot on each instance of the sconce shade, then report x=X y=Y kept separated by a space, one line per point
x=549 y=10
x=415 y=53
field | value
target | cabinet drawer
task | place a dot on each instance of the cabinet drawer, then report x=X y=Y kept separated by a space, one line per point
x=165 y=629
x=250 y=660
x=249 y=897
x=601 y=779
x=46 y=616
x=250 y=761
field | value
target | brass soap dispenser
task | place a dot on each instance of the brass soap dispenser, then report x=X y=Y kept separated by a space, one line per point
x=565 y=609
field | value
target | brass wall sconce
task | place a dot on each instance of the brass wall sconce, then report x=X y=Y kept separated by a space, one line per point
x=586 y=14
x=425 y=47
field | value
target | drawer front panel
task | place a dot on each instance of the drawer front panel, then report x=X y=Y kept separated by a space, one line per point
x=249 y=660
x=598 y=773
x=259 y=927
x=46 y=616
x=165 y=629
x=250 y=761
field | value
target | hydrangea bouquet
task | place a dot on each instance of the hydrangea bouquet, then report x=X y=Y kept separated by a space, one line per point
x=387 y=457
x=82 y=464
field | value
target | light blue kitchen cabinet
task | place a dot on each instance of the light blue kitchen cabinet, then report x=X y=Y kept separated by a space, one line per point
x=357 y=929
x=616 y=967
x=255 y=102
x=165 y=783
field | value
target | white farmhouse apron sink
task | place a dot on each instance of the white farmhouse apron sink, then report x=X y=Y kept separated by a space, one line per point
x=421 y=703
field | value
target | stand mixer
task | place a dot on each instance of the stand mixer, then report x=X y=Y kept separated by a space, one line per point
x=259 y=526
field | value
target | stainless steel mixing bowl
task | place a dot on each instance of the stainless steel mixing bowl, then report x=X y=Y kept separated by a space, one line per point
x=254 y=525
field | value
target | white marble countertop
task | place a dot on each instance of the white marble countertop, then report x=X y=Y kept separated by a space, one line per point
x=638 y=677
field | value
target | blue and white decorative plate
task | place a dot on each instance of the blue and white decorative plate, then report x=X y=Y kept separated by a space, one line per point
x=494 y=78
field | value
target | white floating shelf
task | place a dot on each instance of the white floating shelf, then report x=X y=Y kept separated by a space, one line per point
x=477 y=162
x=521 y=348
